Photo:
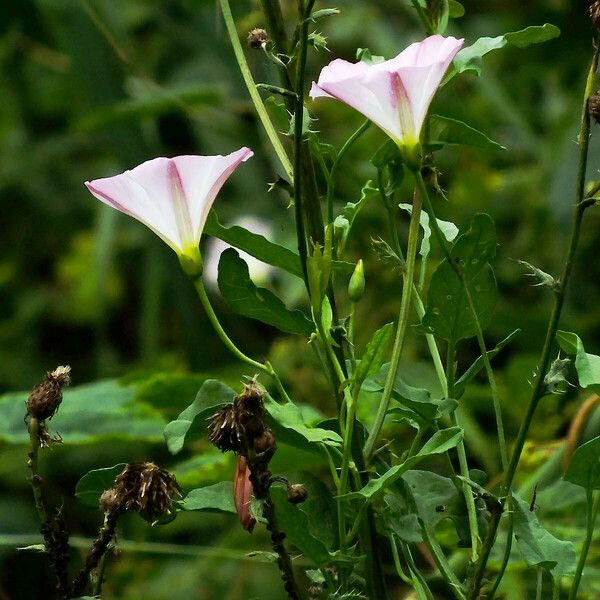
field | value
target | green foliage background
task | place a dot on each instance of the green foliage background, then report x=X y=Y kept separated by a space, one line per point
x=92 y=87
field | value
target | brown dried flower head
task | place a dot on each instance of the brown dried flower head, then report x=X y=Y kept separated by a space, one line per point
x=594 y=106
x=296 y=493
x=257 y=38
x=240 y=426
x=45 y=398
x=144 y=488
x=594 y=13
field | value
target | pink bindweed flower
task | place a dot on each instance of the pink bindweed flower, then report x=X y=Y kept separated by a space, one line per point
x=171 y=196
x=394 y=94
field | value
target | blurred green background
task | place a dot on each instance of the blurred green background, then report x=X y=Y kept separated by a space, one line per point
x=90 y=88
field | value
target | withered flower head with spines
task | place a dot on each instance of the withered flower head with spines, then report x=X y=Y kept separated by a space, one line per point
x=45 y=397
x=594 y=14
x=594 y=105
x=144 y=488
x=257 y=38
x=240 y=426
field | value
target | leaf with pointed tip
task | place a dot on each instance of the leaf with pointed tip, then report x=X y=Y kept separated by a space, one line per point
x=374 y=355
x=584 y=469
x=244 y=298
x=191 y=422
x=538 y=547
x=440 y=442
x=91 y=486
x=469 y=58
x=446 y=131
x=587 y=365
x=212 y=498
x=449 y=315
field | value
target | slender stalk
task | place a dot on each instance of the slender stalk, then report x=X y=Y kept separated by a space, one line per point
x=560 y=292
x=100 y=576
x=555 y=588
x=97 y=551
x=214 y=320
x=253 y=91
x=267 y=367
x=507 y=549
x=462 y=460
x=442 y=563
x=336 y=163
x=405 y=303
x=479 y=331
x=32 y=463
x=283 y=558
x=396 y=556
x=559 y=297
x=593 y=504
x=425 y=20
x=539 y=583
x=420 y=584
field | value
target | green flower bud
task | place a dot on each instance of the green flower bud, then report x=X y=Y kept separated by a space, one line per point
x=356 y=287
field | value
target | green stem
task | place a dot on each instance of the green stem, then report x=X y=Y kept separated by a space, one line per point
x=214 y=320
x=479 y=331
x=420 y=583
x=407 y=288
x=32 y=462
x=507 y=549
x=336 y=163
x=539 y=583
x=462 y=459
x=555 y=588
x=442 y=563
x=267 y=367
x=593 y=504
x=559 y=298
x=423 y=17
x=419 y=306
x=253 y=91
x=396 y=556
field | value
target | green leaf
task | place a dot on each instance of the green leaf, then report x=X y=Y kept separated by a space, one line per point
x=374 y=355
x=440 y=442
x=289 y=417
x=449 y=314
x=88 y=414
x=449 y=229
x=584 y=469
x=447 y=131
x=478 y=365
x=456 y=9
x=469 y=58
x=587 y=365
x=168 y=392
x=192 y=421
x=539 y=547
x=91 y=486
x=297 y=526
x=212 y=498
x=255 y=245
x=244 y=298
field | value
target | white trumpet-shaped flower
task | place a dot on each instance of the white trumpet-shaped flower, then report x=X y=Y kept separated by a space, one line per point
x=171 y=196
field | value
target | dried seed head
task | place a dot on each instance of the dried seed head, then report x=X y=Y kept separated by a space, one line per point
x=45 y=398
x=296 y=493
x=594 y=105
x=110 y=502
x=257 y=38
x=249 y=410
x=145 y=488
x=594 y=13
x=223 y=429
